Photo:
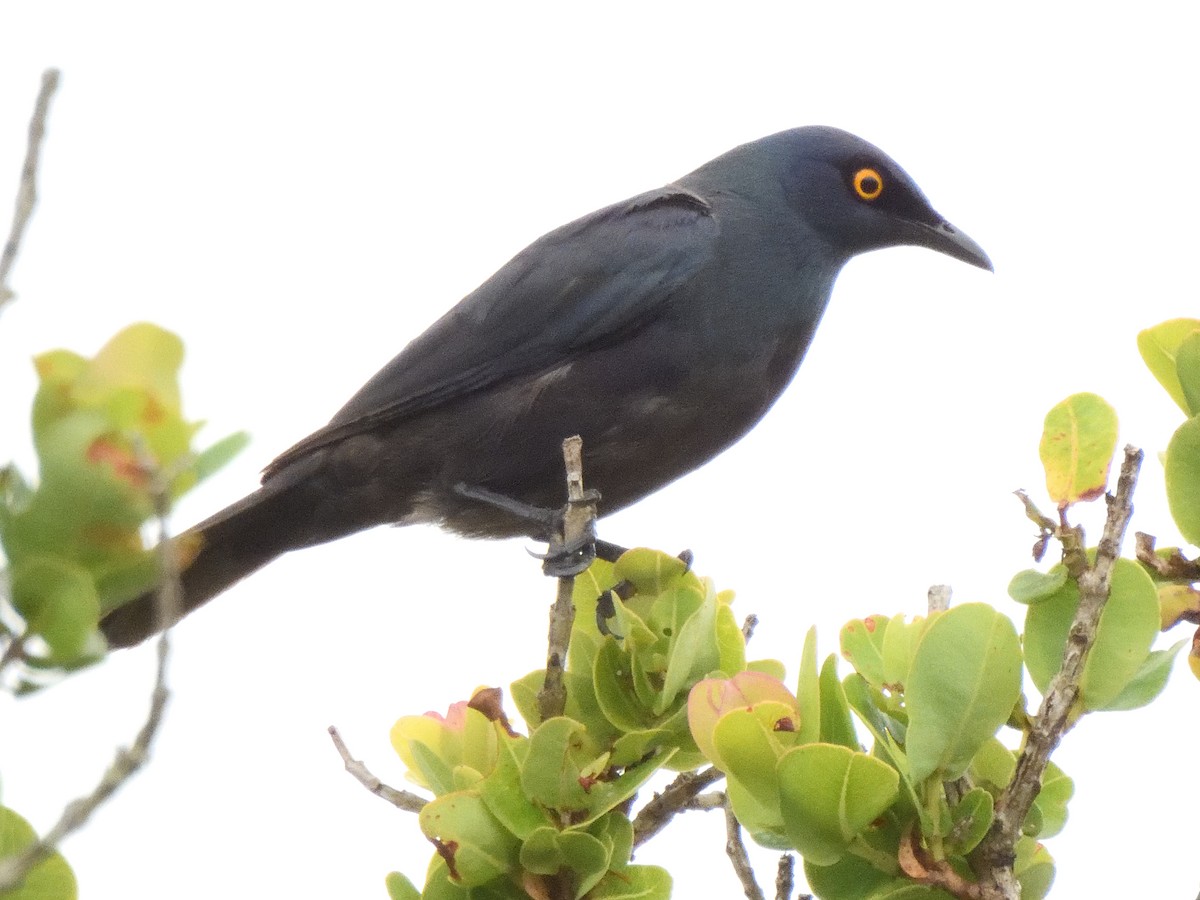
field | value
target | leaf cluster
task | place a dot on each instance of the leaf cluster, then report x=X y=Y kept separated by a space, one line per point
x=1171 y=351
x=547 y=814
x=112 y=446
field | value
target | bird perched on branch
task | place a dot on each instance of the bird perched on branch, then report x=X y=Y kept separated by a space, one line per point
x=660 y=329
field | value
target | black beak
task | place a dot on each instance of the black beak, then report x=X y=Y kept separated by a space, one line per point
x=945 y=238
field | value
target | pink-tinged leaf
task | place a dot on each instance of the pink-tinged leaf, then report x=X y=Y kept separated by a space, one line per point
x=714 y=697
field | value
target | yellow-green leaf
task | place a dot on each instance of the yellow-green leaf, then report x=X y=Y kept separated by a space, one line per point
x=1078 y=441
x=965 y=681
x=1159 y=347
x=51 y=878
x=829 y=794
x=1183 y=479
x=1127 y=628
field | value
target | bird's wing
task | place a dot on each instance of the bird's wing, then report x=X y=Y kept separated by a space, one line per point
x=584 y=285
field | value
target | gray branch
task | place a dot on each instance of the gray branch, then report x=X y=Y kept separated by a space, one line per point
x=128 y=760
x=993 y=859
x=27 y=190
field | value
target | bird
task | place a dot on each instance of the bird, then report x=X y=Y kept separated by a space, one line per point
x=660 y=329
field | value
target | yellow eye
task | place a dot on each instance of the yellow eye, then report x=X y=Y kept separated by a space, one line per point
x=868 y=184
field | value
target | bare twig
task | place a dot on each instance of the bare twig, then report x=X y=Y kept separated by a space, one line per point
x=735 y=849
x=785 y=878
x=13 y=651
x=705 y=802
x=748 y=627
x=27 y=190
x=579 y=517
x=1172 y=565
x=404 y=800
x=993 y=859
x=676 y=797
x=127 y=761
x=938 y=597
x=916 y=862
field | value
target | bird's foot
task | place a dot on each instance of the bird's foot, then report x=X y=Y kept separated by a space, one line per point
x=567 y=558
x=564 y=558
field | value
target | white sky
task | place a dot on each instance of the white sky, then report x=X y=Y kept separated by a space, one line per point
x=298 y=189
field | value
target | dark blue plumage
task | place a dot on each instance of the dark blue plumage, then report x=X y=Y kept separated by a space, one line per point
x=660 y=329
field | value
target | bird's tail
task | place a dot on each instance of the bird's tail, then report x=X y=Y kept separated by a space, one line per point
x=234 y=543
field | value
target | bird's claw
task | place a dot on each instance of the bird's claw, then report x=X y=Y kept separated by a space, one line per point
x=606 y=610
x=568 y=559
x=562 y=559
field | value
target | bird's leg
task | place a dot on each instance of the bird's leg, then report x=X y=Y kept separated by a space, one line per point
x=567 y=558
x=562 y=558
x=548 y=518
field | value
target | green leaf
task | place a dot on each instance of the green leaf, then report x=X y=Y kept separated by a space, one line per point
x=503 y=794
x=1051 y=801
x=731 y=643
x=616 y=832
x=829 y=795
x=836 y=725
x=547 y=850
x=1030 y=586
x=906 y=890
x=858 y=695
x=524 y=693
x=850 y=878
x=1078 y=441
x=51 y=879
x=586 y=856
x=747 y=745
x=862 y=647
x=1159 y=346
x=1127 y=628
x=908 y=805
x=970 y=819
x=900 y=638
x=1187 y=367
x=965 y=680
x=1034 y=868
x=440 y=886
x=993 y=766
x=649 y=571
x=693 y=653
x=634 y=745
x=605 y=796
x=554 y=765
x=615 y=692
x=1148 y=682
x=58 y=601
x=482 y=848
x=1183 y=479
x=808 y=692
x=634 y=883
x=400 y=888
x=216 y=456
x=758 y=815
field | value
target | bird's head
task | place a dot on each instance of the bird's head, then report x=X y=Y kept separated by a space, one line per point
x=858 y=199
